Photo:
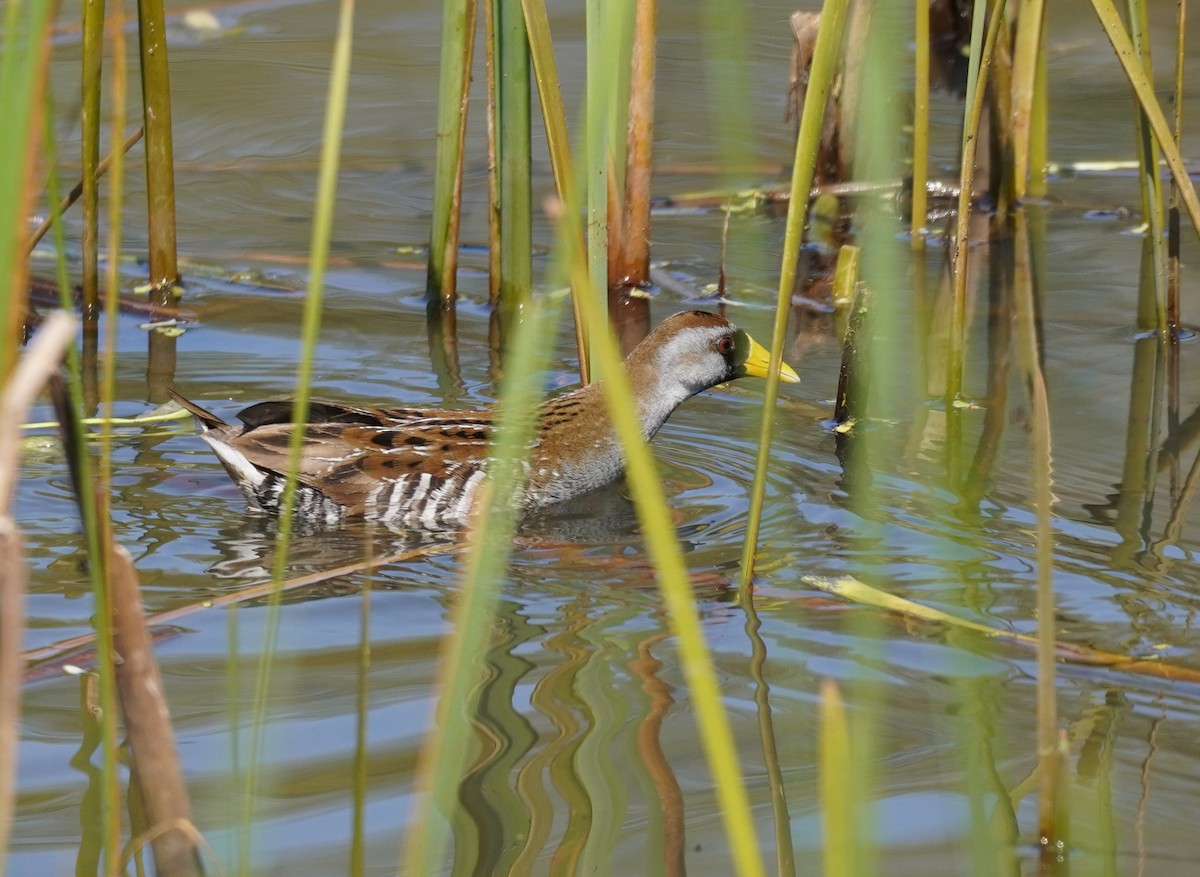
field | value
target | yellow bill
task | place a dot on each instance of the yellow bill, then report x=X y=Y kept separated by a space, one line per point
x=758 y=364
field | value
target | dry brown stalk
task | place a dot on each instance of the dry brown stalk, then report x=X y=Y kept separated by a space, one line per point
x=148 y=723
x=30 y=375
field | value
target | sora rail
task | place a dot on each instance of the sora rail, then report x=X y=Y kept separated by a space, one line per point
x=421 y=468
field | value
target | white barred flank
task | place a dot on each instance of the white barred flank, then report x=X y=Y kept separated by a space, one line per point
x=311 y=504
x=426 y=502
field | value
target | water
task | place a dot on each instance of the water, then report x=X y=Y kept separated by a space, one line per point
x=587 y=756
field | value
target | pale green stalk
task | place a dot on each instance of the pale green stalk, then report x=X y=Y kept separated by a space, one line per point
x=331 y=143
x=839 y=832
x=439 y=769
x=824 y=68
x=663 y=546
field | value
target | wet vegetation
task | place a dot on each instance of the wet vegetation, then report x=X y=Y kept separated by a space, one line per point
x=870 y=222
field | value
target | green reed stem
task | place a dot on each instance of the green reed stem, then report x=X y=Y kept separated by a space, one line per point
x=838 y=830
x=824 y=67
x=1026 y=58
x=160 y=150
x=981 y=52
x=440 y=766
x=920 y=145
x=513 y=118
x=454 y=81
x=93 y=62
x=326 y=202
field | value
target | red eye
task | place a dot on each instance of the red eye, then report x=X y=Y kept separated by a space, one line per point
x=725 y=345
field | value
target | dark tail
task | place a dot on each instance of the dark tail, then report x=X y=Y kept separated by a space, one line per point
x=207 y=418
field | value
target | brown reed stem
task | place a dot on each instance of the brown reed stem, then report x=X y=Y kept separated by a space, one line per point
x=148 y=723
x=68 y=202
x=26 y=381
x=633 y=267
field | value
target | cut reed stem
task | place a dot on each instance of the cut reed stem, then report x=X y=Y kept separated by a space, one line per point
x=454 y=80
x=160 y=151
x=920 y=141
x=93 y=60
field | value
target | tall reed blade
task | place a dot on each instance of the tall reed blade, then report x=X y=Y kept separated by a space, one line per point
x=440 y=767
x=834 y=769
x=23 y=55
x=331 y=143
x=663 y=546
x=808 y=141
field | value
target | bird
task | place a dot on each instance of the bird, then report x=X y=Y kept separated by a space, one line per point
x=421 y=468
